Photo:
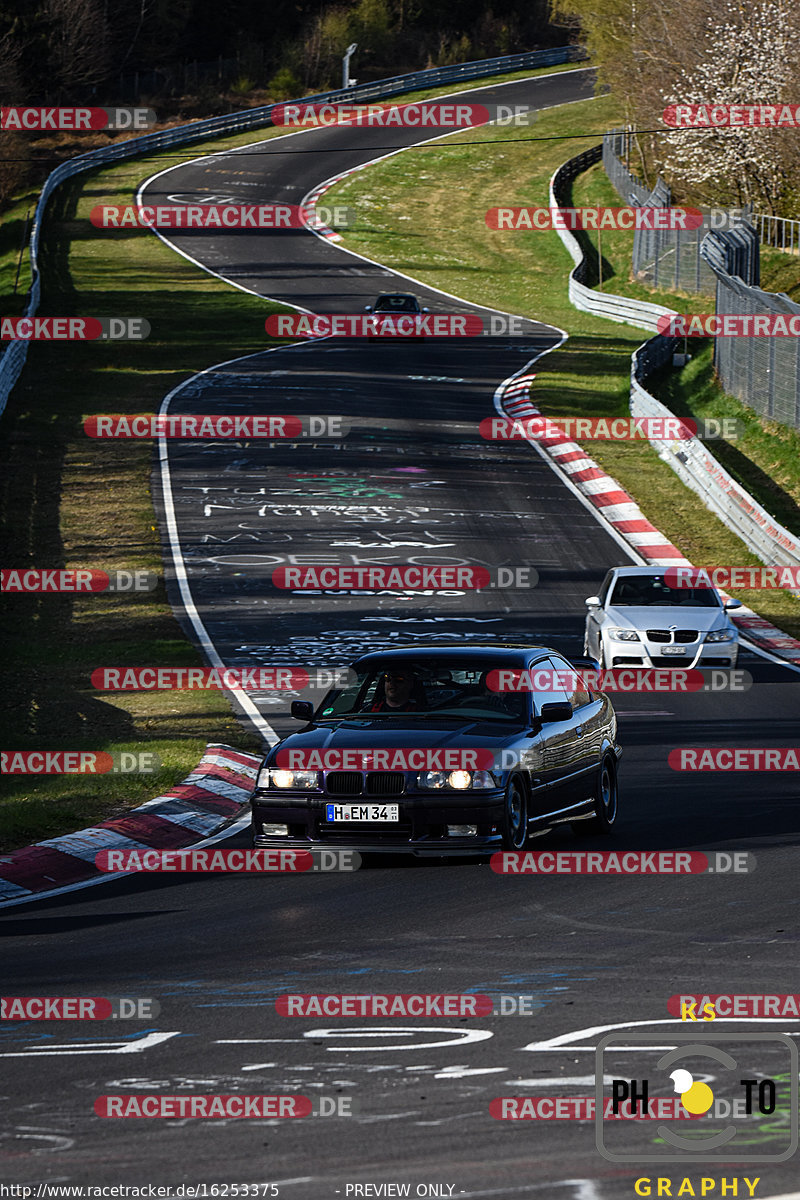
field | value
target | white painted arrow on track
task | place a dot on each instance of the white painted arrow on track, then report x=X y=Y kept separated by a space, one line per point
x=145 y=1043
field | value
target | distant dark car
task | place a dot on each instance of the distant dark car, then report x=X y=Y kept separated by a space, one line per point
x=399 y=303
x=547 y=756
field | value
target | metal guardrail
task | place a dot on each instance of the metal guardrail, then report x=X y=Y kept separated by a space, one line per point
x=690 y=459
x=697 y=467
x=602 y=304
x=782 y=233
x=13 y=360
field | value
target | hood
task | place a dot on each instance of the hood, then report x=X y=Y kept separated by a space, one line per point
x=366 y=733
x=646 y=616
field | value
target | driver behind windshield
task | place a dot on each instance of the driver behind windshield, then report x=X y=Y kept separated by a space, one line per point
x=396 y=694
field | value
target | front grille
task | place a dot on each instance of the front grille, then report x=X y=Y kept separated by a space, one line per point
x=344 y=783
x=685 y=635
x=666 y=660
x=658 y=635
x=385 y=783
x=666 y=635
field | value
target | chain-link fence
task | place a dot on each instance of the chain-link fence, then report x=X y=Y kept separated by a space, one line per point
x=617 y=145
x=762 y=372
x=669 y=259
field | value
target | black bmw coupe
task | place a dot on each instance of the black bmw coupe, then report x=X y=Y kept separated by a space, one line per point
x=443 y=750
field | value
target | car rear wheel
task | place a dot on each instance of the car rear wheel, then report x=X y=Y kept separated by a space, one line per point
x=515 y=816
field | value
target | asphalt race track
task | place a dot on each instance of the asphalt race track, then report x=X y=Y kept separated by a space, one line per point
x=414 y=480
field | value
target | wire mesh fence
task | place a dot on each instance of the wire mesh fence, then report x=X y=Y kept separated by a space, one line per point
x=669 y=259
x=762 y=372
x=721 y=258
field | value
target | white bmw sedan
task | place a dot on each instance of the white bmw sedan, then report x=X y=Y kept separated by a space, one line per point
x=639 y=620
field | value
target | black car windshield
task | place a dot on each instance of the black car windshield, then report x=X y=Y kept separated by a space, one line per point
x=651 y=590
x=397 y=303
x=428 y=689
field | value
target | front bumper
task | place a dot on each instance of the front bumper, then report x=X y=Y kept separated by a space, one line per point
x=650 y=655
x=420 y=830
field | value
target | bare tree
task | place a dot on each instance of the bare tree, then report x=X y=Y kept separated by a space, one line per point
x=14 y=149
x=79 y=44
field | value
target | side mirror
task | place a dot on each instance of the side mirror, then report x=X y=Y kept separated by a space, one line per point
x=302 y=710
x=368 y=308
x=426 y=310
x=561 y=710
x=731 y=604
x=583 y=664
x=592 y=601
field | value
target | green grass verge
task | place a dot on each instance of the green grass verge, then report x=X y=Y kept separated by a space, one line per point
x=74 y=502
x=425 y=217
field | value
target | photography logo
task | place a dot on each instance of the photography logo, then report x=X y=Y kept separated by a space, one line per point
x=728 y=1083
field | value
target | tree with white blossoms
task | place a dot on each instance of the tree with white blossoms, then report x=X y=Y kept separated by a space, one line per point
x=746 y=54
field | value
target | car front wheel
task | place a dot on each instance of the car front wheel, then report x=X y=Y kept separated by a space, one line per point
x=606 y=800
x=515 y=816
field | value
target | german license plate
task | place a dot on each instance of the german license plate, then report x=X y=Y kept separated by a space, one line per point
x=362 y=812
x=673 y=650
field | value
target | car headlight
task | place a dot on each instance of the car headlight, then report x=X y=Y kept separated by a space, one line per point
x=269 y=777
x=624 y=635
x=721 y=635
x=460 y=781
